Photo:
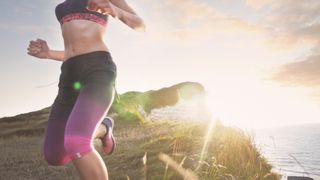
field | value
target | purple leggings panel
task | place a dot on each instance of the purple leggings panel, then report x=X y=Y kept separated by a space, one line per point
x=86 y=92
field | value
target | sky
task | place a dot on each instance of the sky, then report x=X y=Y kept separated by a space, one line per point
x=259 y=60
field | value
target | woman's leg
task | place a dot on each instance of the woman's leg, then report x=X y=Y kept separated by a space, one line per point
x=91 y=166
x=101 y=131
x=93 y=103
x=53 y=149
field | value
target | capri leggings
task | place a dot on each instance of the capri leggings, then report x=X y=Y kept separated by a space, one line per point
x=86 y=92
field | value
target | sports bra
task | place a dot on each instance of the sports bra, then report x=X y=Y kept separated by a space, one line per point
x=76 y=9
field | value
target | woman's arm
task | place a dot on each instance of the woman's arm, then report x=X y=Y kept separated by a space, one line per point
x=128 y=16
x=56 y=55
x=40 y=49
x=118 y=9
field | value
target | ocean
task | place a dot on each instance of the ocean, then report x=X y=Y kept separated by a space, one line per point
x=292 y=150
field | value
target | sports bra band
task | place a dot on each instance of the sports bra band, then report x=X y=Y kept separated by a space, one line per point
x=77 y=9
x=84 y=16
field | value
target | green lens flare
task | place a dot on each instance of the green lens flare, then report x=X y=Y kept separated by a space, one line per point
x=77 y=85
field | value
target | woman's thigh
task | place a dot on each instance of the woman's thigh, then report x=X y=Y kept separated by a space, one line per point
x=92 y=104
x=54 y=151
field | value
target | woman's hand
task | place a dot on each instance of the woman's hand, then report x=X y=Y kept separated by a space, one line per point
x=104 y=7
x=39 y=49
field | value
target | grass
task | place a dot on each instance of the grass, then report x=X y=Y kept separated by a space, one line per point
x=231 y=154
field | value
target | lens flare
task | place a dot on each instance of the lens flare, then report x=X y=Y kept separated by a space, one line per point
x=77 y=85
x=205 y=144
x=209 y=131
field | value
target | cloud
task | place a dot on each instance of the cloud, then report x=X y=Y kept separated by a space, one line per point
x=297 y=23
x=285 y=24
x=294 y=22
x=190 y=19
x=304 y=73
x=258 y=4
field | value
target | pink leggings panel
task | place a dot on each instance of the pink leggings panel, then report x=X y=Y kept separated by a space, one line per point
x=76 y=113
x=70 y=137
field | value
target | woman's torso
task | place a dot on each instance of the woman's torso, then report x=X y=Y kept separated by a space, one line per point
x=81 y=35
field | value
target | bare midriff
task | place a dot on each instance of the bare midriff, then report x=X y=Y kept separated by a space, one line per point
x=82 y=36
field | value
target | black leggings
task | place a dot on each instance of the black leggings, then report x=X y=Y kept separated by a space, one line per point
x=86 y=92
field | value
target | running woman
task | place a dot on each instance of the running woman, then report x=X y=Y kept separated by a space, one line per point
x=86 y=84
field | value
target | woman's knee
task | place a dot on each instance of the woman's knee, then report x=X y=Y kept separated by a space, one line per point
x=55 y=157
x=77 y=146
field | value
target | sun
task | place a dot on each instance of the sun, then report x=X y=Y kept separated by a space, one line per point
x=252 y=104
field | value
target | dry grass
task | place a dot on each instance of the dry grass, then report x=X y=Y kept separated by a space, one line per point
x=231 y=154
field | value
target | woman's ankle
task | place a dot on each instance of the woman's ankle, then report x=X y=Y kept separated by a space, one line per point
x=101 y=131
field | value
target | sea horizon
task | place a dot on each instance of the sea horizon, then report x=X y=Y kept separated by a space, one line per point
x=292 y=150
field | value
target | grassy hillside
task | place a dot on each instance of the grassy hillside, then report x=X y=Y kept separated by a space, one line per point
x=160 y=150
x=127 y=105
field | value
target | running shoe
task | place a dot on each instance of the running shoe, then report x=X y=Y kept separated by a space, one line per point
x=108 y=141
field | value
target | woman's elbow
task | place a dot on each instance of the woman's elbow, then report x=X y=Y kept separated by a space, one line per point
x=139 y=25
